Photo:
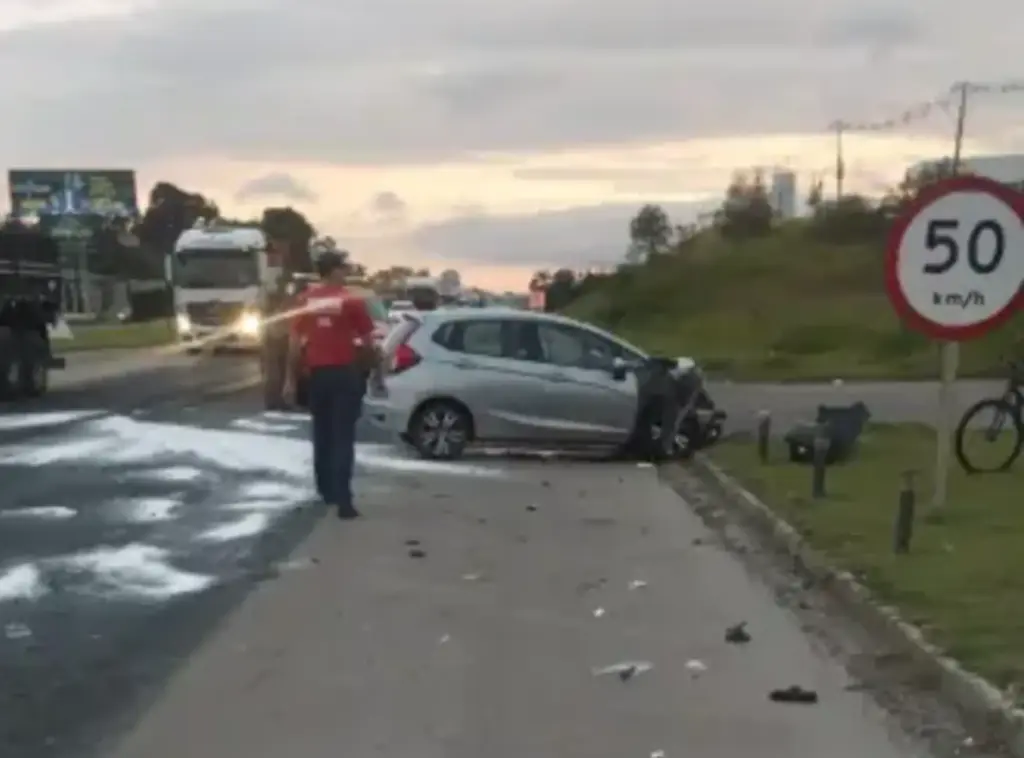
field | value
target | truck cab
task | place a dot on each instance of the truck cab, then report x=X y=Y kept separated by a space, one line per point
x=220 y=277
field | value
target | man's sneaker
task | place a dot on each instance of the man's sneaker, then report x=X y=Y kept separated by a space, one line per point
x=348 y=513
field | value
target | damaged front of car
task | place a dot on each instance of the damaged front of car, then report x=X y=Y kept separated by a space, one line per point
x=701 y=421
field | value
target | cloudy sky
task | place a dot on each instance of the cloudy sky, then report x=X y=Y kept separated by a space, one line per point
x=495 y=137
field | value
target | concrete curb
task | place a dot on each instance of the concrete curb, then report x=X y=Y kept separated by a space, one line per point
x=980 y=700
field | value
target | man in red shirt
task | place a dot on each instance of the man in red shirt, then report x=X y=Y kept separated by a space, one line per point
x=325 y=333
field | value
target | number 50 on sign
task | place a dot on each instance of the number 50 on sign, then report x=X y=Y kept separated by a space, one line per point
x=955 y=259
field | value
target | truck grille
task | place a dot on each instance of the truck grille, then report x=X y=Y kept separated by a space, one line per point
x=214 y=314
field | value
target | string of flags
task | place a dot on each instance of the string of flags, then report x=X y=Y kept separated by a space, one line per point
x=920 y=111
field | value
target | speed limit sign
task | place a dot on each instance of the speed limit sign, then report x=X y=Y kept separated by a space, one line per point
x=955 y=259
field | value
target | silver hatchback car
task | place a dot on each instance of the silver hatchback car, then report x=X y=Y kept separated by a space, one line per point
x=497 y=376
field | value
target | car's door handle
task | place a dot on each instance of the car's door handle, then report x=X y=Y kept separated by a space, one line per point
x=555 y=376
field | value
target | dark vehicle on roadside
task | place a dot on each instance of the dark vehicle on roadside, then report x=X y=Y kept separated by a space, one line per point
x=465 y=377
x=30 y=301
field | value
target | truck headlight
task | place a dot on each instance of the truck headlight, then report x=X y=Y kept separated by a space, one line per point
x=183 y=323
x=249 y=325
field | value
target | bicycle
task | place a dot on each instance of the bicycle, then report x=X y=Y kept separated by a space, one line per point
x=1007 y=409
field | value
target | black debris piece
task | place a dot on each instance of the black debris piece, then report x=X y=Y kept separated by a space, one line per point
x=627 y=673
x=417 y=553
x=412 y=543
x=531 y=508
x=737 y=634
x=794 y=694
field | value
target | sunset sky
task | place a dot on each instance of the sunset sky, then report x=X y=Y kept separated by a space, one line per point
x=493 y=137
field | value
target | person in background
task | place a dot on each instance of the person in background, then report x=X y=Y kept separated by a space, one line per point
x=327 y=337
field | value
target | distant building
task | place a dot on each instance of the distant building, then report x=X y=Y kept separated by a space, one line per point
x=783 y=194
x=1008 y=169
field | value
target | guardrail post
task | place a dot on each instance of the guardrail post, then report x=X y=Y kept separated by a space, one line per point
x=903 y=530
x=764 y=435
x=820 y=453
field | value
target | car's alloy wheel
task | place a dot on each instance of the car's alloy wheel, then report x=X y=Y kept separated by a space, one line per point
x=441 y=432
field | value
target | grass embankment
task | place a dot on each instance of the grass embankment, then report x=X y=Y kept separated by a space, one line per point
x=115 y=336
x=779 y=308
x=963 y=577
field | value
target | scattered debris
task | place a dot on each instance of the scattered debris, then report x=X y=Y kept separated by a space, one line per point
x=412 y=543
x=737 y=634
x=657 y=754
x=545 y=483
x=417 y=553
x=444 y=639
x=474 y=577
x=697 y=541
x=16 y=631
x=625 y=670
x=695 y=667
x=584 y=587
x=481 y=520
x=794 y=694
x=532 y=507
x=598 y=612
x=645 y=464
x=637 y=584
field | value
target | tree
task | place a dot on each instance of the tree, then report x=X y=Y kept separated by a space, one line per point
x=540 y=281
x=561 y=290
x=747 y=211
x=650 y=233
x=816 y=195
x=171 y=211
x=289 y=234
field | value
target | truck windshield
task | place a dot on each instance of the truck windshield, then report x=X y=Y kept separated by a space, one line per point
x=216 y=269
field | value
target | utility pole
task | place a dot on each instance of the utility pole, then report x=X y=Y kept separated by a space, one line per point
x=949 y=352
x=839 y=127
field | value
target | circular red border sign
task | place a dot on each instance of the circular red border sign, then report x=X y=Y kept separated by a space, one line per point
x=925 y=198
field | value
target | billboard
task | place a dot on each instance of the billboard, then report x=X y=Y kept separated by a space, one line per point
x=73 y=192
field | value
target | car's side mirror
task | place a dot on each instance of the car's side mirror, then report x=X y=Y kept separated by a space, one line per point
x=619 y=369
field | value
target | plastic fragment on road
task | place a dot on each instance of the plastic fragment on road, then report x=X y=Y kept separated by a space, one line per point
x=794 y=694
x=625 y=670
x=737 y=634
x=696 y=667
x=598 y=613
x=16 y=631
x=532 y=507
x=657 y=754
x=637 y=584
x=444 y=638
x=474 y=577
x=645 y=464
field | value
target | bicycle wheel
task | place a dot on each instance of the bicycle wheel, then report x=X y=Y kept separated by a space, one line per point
x=989 y=437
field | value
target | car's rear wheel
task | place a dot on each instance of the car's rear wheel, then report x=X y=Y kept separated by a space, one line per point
x=440 y=431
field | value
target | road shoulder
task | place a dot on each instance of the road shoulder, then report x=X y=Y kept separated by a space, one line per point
x=987 y=711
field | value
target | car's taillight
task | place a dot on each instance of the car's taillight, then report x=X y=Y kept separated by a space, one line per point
x=404 y=359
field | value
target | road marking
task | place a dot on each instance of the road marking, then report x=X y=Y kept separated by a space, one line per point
x=48 y=512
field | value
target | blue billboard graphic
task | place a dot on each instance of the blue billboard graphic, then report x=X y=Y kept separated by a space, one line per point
x=73 y=193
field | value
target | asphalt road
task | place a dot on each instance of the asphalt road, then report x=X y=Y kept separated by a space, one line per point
x=140 y=509
x=888 y=402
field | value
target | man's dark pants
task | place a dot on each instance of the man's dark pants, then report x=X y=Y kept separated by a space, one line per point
x=335 y=402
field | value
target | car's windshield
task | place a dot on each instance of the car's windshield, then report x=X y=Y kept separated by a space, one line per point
x=215 y=269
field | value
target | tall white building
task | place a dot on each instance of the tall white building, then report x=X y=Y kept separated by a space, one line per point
x=783 y=194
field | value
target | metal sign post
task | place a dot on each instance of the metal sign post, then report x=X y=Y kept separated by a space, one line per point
x=954 y=267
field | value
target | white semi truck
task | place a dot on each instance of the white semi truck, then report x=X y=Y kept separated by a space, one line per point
x=220 y=278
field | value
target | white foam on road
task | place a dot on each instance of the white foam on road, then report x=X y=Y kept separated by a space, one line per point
x=12 y=422
x=23 y=582
x=178 y=474
x=276 y=490
x=247 y=526
x=135 y=571
x=44 y=512
x=263 y=427
x=149 y=510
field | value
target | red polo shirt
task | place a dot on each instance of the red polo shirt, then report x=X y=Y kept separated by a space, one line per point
x=331 y=321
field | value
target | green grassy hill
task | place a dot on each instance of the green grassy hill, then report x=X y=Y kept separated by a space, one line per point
x=782 y=307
